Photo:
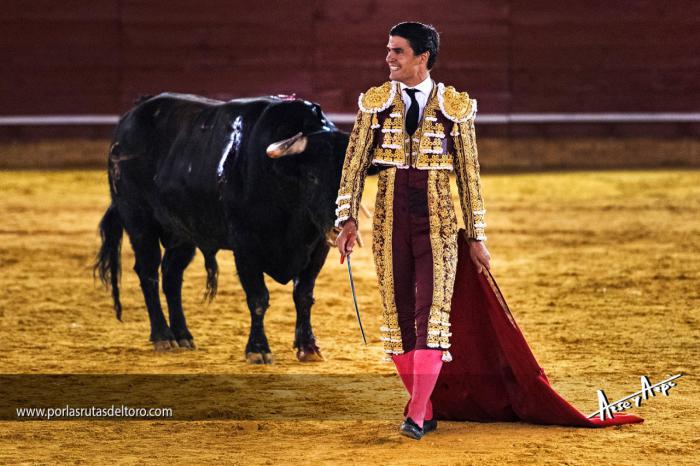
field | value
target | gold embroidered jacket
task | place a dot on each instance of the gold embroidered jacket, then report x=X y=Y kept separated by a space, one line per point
x=445 y=140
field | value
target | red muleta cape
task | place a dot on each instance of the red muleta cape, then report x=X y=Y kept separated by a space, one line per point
x=494 y=376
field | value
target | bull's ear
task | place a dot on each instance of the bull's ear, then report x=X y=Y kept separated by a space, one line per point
x=294 y=145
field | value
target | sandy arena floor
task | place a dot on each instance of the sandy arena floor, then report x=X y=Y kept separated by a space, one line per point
x=600 y=269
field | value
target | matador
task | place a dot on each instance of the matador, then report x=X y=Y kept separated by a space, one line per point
x=416 y=132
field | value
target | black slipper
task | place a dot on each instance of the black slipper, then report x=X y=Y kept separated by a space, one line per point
x=429 y=425
x=411 y=429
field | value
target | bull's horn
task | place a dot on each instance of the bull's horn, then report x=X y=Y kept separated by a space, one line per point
x=294 y=145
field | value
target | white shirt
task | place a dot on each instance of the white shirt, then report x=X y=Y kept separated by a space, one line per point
x=425 y=88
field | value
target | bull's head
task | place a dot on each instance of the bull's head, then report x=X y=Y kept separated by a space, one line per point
x=309 y=162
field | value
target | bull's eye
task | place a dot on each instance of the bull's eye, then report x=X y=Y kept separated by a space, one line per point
x=312 y=178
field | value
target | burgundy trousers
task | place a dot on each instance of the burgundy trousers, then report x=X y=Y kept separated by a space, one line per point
x=412 y=257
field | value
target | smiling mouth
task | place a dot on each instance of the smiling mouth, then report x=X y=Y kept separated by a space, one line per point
x=393 y=68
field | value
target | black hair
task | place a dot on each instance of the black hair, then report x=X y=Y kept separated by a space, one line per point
x=422 y=37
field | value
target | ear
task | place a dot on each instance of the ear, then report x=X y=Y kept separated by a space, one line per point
x=424 y=57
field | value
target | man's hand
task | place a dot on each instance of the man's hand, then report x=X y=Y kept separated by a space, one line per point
x=480 y=255
x=347 y=237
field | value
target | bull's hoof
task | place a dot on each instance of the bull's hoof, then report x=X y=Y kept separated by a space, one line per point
x=310 y=355
x=259 y=358
x=185 y=343
x=164 y=345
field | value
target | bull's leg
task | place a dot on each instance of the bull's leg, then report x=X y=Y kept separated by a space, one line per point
x=257 y=351
x=175 y=261
x=304 y=340
x=147 y=251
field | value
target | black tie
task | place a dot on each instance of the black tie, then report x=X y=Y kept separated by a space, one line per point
x=412 y=114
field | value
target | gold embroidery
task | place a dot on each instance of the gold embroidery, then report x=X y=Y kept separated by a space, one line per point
x=357 y=161
x=443 y=242
x=437 y=161
x=426 y=143
x=394 y=147
x=431 y=152
x=430 y=126
x=382 y=251
x=390 y=149
x=395 y=122
x=377 y=98
x=389 y=156
x=457 y=106
x=468 y=180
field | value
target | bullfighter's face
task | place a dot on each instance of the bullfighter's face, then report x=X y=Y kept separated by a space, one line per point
x=404 y=65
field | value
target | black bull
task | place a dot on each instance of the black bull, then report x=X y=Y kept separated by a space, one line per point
x=188 y=172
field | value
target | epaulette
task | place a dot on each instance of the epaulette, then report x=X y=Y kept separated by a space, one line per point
x=377 y=98
x=457 y=106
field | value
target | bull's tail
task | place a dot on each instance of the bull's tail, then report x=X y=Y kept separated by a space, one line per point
x=108 y=263
x=212 y=274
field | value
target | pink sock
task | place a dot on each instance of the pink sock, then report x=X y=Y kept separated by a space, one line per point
x=426 y=368
x=404 y=367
